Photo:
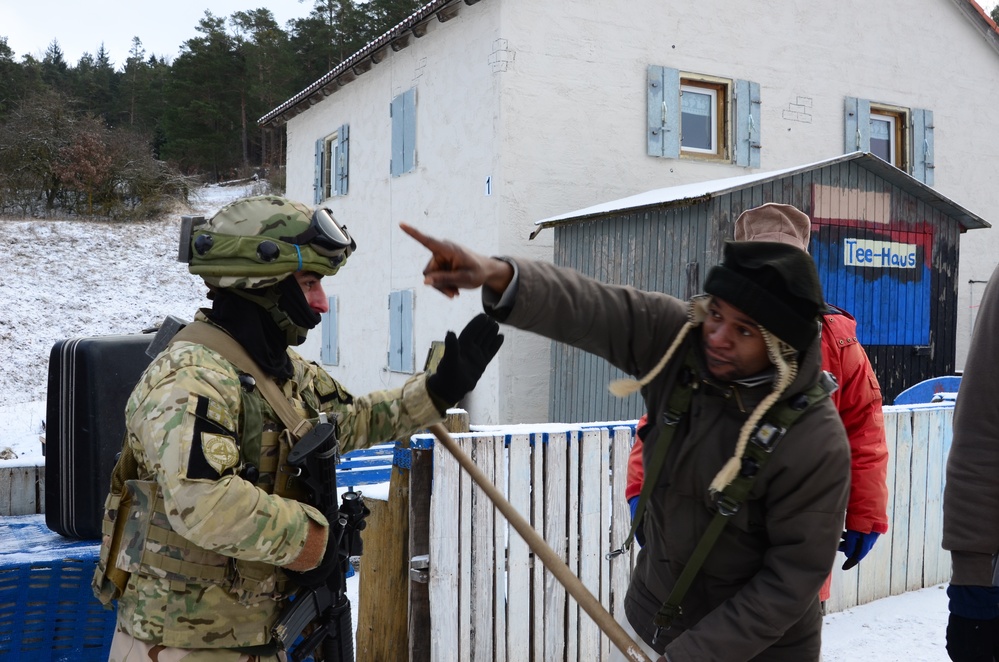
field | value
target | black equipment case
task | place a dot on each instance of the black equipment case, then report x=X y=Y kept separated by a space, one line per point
x=89 y=382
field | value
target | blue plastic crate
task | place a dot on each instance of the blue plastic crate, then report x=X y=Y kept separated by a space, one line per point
x=47 y=609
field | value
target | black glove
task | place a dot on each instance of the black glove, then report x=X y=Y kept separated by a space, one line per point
x=319 y=575
x=973 y=628
x=971 y=640
x=465 y=359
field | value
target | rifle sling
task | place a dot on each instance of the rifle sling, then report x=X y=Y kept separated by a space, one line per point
x=216 y=339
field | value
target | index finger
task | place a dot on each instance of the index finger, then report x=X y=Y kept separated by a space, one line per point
x=429 y=242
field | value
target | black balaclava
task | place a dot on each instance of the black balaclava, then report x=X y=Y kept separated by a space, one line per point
x=266 y=322
x=293 y=303
x=254 y=329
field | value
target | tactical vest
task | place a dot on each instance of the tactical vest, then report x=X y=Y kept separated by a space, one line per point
x=137 y=535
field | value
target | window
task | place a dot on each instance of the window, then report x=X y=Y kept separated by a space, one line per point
x=702 y=112
x=883 y=140
x=403 y=113
x=697 y=116
x=329 y=351
x=900 y=136
x=332 y=161
x=400 y=353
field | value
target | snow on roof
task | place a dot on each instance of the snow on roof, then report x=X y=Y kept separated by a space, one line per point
x=686 y=195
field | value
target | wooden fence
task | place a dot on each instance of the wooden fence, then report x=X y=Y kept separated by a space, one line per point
x=489 y=600
x=909 y=556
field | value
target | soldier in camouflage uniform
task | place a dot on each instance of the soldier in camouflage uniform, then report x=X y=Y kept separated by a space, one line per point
x=212 y=536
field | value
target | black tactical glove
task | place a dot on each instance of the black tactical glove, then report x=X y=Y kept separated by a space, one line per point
x=972 y=640
x=319 y=575
x=465 y=359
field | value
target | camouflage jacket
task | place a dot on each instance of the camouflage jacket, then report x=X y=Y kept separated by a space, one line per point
x=185 y=425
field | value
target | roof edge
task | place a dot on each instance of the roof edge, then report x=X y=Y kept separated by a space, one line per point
x=362 y=60
x=986 y=26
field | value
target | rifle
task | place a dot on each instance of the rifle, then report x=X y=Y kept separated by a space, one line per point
x=327 y=607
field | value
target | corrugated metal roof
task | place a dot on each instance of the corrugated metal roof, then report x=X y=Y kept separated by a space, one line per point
x=687 y=195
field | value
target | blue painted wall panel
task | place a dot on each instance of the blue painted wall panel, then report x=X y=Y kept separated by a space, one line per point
x=888 y=293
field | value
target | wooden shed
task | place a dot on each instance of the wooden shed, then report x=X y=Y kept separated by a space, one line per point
x=886 y=247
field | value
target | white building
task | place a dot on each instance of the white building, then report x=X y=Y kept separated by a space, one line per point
x=473 y=119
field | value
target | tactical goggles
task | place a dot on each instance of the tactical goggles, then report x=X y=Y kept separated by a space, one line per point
x=326 y=237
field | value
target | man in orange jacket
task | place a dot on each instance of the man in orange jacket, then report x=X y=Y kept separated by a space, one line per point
x=858 y=398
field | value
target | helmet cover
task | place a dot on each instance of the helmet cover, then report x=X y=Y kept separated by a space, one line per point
x=251 y=243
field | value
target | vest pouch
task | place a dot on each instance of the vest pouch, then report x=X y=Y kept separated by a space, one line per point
x=285 y=483
x=109 y=581
x=151 y=548
x=256 y=582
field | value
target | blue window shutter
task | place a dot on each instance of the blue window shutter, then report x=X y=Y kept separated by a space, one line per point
x=663 y=112
x=329 y=352
x=317 y=184
x=922 y=145
x=857 y=134
x=409 y=130
x=407 y=331
x=396 y=112
x=657 y=124
x=747 y=123
x=395 y=331
x=400 y=358
x=343 y=159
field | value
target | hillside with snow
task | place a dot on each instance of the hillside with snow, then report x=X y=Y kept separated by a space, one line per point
x=66 y=279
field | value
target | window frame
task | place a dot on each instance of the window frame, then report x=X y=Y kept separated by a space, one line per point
x=899 y=136
x=332 y=165
x=737 y=109
x=914 y=134
x=720 y=93
x=331 y=154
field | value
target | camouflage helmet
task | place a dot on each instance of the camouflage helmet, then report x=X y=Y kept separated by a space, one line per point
x=255 y=242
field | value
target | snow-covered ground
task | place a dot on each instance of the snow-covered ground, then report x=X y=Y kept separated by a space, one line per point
x=64 y=279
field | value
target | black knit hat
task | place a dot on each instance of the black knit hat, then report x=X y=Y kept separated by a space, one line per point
x=776 y=284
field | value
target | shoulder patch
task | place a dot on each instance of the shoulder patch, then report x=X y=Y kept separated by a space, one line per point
x=214 y=446
x=220 y=451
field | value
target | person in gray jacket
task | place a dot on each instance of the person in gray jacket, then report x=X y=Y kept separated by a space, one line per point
x=747 y=348
x=971 y=495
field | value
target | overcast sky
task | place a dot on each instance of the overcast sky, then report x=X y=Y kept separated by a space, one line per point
x=81 y=26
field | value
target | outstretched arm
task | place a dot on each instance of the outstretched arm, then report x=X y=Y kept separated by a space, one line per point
x=452 y=267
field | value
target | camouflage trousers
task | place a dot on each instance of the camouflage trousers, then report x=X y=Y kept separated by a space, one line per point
x=126 y=648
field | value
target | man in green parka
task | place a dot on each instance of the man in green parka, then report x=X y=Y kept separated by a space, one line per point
x=747 y=349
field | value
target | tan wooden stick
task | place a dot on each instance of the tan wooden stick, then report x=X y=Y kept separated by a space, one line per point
x=543 y=551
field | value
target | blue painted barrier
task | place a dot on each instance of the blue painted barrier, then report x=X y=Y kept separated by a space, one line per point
x=47 y=609
x=924 y=391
